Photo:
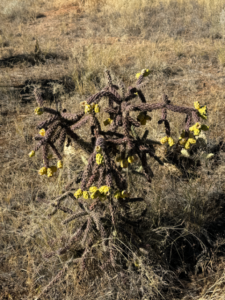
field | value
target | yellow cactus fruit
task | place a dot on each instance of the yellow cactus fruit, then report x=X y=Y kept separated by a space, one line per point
x=125 y=194
x=83 y=103
x=49 y=172
x=182 y=141
x=42 y=132
x=93 y=189
x=118 y=195
x=196 y=105
x=203 y=112
x=171 y=142
x=141 y=117
x=204 y=127
x=118 y=159
x=138 y=75
x=135 y=157
x=187 y=145
x=42 y=171
x=98 y=149
x=191 y=135
x=124 y=163
x=185 y=153
x=195 y=126
x=164 y=140
x=87 y=109
x=182 y=136
x=148 y=118
x=131 y=159
x=85 y=195
x=32 y=153
x=99 y=158
x=59 y=164
x=107 y=121
x=196 y=132
x=192 y=141
x=104 y=190
x=54 y=169
x=95 y=195
x=78 y=193
x=97 y=108
x=38 y=111
x=144 y=72
x=210 y=155
x=143 y=122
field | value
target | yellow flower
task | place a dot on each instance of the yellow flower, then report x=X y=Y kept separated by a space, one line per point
x=87 y=109
x=32 y=153
x=54 y=169
x=85 y=195
x=42 y=171
x=203 y=112
x=42 y=132
x=49 y=172
x=38 y=111
x=131 y=159
x=124 y=163
x=78 y=193
x=93 y=189
x=171 y=142
x=99 y=158
x=97 y=108
x=104 y=190
x=135 y=93
x=107 y=121
x=196 y=105
x=59 y=164
x=164 y=140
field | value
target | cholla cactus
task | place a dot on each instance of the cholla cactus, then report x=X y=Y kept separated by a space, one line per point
x=115 y=146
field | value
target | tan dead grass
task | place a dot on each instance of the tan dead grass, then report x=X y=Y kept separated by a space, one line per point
x=26 y=231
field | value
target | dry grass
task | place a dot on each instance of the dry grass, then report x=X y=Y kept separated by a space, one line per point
x=181 y=43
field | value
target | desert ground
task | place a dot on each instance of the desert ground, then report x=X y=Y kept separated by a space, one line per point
x=63 y=48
